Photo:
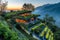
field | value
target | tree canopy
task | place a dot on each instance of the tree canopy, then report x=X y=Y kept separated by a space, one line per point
x=28 y=7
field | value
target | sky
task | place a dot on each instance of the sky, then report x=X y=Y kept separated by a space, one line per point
x=17 y=4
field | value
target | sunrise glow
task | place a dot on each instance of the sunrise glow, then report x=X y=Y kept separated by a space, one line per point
x=17 y=4
x=14 y=7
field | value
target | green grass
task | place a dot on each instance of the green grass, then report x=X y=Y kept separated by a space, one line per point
x=6 y=32
x=10 y=34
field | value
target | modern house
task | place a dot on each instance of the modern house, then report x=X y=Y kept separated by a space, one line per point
x=33 y=26
x=26 y=17
x=30 y=25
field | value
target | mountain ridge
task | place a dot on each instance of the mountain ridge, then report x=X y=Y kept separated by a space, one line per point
x=51 y=9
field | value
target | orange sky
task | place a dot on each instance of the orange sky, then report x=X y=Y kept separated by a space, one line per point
x=14 y=7
x=14 y=4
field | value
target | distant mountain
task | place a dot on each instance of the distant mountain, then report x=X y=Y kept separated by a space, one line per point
x=51 y=9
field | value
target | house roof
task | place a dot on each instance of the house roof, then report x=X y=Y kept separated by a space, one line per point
x=27 y=17
x=10 y=14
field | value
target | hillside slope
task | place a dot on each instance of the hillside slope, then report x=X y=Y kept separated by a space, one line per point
x=51 y=9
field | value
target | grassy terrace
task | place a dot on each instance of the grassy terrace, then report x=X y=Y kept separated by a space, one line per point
x=27 y=17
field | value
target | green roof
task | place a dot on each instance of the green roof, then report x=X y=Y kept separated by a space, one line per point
x=10 y=14
x=27 y=17
x=38 y=26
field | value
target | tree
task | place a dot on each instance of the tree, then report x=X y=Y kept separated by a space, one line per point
x=49 y=19
x=50 y=22
x=57 y=34
x=29 y=7
x=3 y=6
x=5 y=32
